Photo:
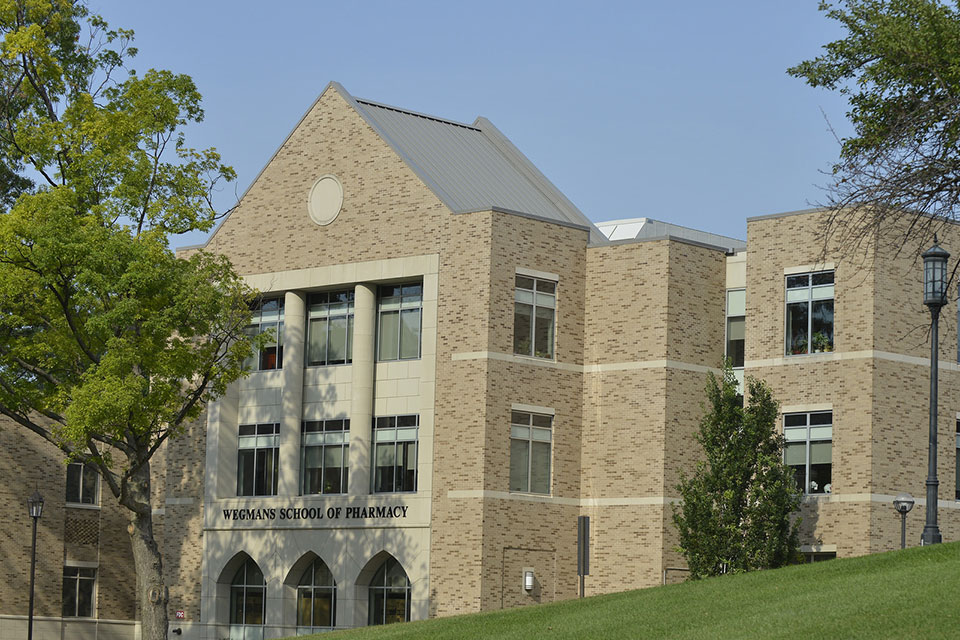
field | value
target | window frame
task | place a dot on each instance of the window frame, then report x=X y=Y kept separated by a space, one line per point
x=243 y=589
x=532 y=298
x=77 y=579
x=262 y=439
x=726 y=327
x=255 y=362
x=323 y=438
x=808 y=440
x=790 y=346
x=386 y=424
x=409 y=301
x=385 y=589
x=86 y=470
x=320 y=305
x=517 y=426
x=313 y=588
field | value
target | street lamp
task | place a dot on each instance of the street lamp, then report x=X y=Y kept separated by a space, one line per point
x=35 y=509
x=934 y=296
x=903 y=503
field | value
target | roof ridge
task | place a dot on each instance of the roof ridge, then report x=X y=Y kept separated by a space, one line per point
x=409 y=112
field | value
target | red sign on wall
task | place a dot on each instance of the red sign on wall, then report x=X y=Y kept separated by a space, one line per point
x=180 y=614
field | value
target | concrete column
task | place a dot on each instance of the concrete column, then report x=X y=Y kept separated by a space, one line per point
x=291 y=399
x=361 y=392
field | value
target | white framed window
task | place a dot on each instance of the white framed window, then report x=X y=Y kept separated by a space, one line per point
x=395 y=453
x=389 y=595
x=399 y=311
x=258 y=451
x=267 y=316
x=83 y=484
x=329 y=328
x=79 y=591
x=808 y=450
x=531 y=436
x=248 y=591
x=736 y=326
x=534 y=316
x=809 y=323
x=316 y=599
x=325 y=464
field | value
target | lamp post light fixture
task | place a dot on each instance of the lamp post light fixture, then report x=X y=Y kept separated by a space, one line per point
x=35 y=509
x=903 y=503
x=934 y=296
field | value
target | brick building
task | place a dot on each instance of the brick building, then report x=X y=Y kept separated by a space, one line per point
x=466 y=364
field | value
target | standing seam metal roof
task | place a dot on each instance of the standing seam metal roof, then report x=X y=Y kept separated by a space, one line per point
x=470 y=167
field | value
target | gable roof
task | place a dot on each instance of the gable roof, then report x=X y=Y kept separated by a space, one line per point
x=470 y=167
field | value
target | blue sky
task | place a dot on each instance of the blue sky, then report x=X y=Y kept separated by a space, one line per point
x=677 y=111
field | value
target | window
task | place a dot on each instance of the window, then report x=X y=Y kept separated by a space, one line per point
x=530 y=437
x=330 y=330
x=247 y=595
x=808 y=449
x=326 y=448
x=82 y=483
x=257 y=459
x=316 y=599
x=810 y=313
x=395 y=462
x=398 y=308
x=389 y=594
x=534 y=315
x=736 y=325
x=78 y=586
x=267 y=316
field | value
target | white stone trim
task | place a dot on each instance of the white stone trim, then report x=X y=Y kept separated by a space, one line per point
x=532 y=408
x=484 y=494
x=808 y=268
x=807 y=408
x=346 y=274
x=585 y=368
x=881 y=498
x=83 y=564
x=179 y=501
x=865 y=354
x=533 y=273
x=818 y=548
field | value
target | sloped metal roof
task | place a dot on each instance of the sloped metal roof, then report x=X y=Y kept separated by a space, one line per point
x=470 y=167
x=642 y=228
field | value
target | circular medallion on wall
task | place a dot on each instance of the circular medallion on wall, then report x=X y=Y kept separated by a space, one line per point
x=326 y=199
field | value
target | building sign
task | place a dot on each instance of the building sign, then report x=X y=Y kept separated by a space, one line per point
x=180 y=614
x=316 y=513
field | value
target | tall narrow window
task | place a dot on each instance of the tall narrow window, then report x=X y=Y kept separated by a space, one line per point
x=389 y=594
x=267 y=316
x=809 y=313
x=399 y=310
x=809 y=449
x=326 y=453
x=248 y=595
x=530 y=441
x=78 y=588
x=82 y=484
x=534 y=316
x=395 y=463
x=330 y=317
x=736 y=325
x=257 y=459
x=316 y=599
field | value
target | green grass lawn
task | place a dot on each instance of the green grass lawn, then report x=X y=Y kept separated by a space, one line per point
x=902 y=594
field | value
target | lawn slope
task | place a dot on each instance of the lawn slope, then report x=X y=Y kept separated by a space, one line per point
x=902 y=594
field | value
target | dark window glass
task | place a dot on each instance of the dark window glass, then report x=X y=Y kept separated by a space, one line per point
x=534 y=317
x=257 y=460
x=399 y=322
x=316 y=597
x=78 y=587
x=395 y=453
x=389 y=595
x=247 y=595
x=267 y=317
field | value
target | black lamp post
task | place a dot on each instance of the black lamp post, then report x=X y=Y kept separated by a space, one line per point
x=934 y=296
x=903 y=503
x=35 y=508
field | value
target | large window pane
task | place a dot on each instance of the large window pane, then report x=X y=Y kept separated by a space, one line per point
x=389 y=338
x=540 y=467
x=735 y=340
x=543 y=333
x=410 y=333
x=534 y=317
x=519 y=464
x=530 y=452
x=523 y=329
x=809 y=324
x=797 y=325
x=245 y=466
x=337 y=346
x=317 y=348
x=385 y=464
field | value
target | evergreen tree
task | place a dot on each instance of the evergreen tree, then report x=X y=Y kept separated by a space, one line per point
x=736 y=513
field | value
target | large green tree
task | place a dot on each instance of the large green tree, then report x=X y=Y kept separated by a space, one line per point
x=899 y=67
x=109 y=344
x=737 y=509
